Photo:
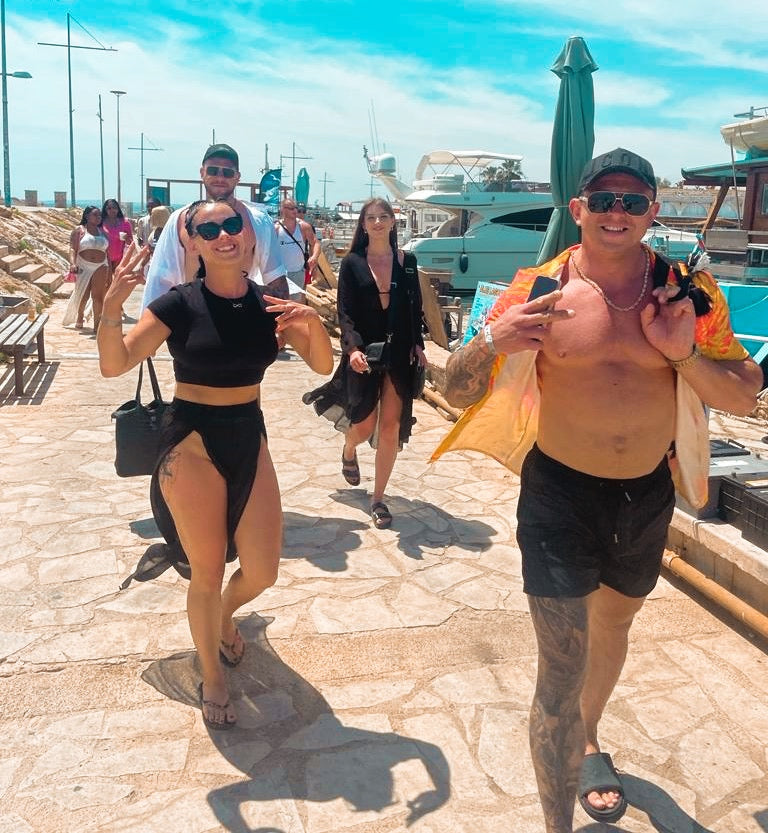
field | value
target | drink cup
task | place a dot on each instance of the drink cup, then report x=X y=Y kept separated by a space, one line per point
x=122 y=236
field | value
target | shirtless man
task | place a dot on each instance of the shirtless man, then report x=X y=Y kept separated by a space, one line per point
x=606 y=360
x=171 y=262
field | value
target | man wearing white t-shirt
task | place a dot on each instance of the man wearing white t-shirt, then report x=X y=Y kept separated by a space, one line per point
x=173 y=264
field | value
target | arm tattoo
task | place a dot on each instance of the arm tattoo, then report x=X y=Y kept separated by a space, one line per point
x=467 y=373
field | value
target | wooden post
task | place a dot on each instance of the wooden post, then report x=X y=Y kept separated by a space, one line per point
x=432 y=313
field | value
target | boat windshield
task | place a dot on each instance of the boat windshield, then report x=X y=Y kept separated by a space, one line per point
x=535 y=219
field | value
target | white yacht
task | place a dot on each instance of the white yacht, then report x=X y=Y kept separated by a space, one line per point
x=488 y=230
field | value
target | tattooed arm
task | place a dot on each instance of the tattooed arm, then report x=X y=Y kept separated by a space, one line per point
x=520 y=327
x=467 y=372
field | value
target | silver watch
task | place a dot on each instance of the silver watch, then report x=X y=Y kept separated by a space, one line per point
x=488 y=336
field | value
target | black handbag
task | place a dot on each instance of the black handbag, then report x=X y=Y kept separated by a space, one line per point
x=137 y=430
x=377 y=354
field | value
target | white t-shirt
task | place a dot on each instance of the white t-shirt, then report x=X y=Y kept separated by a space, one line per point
x=166 y=268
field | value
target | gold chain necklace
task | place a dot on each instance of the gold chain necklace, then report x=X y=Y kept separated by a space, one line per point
x=602 y=294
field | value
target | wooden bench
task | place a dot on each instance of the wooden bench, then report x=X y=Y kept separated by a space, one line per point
x=17 y=333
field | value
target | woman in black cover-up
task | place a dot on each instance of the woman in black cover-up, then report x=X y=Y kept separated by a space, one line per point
x=214 y=489
x=371 y=404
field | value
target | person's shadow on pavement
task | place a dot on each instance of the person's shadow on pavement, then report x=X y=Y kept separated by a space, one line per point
x=421 y=526
x=664 y=813
x=292 y=746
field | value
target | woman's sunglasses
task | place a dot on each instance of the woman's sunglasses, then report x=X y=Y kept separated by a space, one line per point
x=210 y=230
x=601 y=202
x=217 y=170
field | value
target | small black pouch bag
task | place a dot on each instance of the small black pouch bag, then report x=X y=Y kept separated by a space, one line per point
x=137 y=430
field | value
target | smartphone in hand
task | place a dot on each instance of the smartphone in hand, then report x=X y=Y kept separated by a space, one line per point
x=543 y=286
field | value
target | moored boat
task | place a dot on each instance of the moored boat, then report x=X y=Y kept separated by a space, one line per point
x=495 y=219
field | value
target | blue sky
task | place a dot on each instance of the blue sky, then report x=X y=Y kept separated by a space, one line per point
x=467 y=75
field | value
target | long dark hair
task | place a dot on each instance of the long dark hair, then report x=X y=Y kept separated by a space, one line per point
x=360 y=238
x=107 y=203
x=86 y=211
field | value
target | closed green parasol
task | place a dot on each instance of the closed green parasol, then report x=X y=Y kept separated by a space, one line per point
x=301 y=194
x=573 y=140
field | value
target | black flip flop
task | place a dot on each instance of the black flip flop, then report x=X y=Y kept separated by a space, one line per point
x=217 y=727
x=230 y=646
x=599 y=775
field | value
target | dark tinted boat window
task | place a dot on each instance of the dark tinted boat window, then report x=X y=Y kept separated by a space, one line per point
x=535 y=219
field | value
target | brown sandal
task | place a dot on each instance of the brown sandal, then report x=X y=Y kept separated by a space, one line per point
x=350 y=470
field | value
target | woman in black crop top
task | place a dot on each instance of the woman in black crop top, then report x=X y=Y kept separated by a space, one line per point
x=373 y=276
x=214 y=492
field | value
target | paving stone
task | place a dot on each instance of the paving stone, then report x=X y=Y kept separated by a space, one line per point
x=676 y=711
x=415 y=608
x=366 y=694
x=504 y=751
x=477 y=685
x=716 y=767
x=112 y=639
x=343 y=616
x=468 y=781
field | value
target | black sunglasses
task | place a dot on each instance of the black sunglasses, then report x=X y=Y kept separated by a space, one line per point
x=210 y=230
x=601 y=202
x=217 y=170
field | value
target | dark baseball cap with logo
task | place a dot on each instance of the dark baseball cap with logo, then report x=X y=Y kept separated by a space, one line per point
x=618 y=161
x=222 y=152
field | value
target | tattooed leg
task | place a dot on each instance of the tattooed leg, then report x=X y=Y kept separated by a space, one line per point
x=556 y=730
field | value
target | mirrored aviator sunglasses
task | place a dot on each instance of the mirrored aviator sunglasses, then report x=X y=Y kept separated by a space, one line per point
x=217 y=170
x=601 y=202
x=210 y=230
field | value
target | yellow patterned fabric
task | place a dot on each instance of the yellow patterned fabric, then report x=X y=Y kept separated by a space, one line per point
x=503 y=424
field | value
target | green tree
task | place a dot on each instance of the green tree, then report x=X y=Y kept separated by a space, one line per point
x=496 y=178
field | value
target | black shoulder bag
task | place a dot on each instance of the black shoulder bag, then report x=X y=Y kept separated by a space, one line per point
x=137 y=429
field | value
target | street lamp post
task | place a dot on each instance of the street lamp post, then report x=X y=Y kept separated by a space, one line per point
x=69 y=47
x=6 y=147
x=101 y=148
x=117 y=94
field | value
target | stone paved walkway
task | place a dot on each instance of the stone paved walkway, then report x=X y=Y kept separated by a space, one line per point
x=388 y=673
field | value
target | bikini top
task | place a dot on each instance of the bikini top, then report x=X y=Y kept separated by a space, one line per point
x=217 y=342
x=92 y=241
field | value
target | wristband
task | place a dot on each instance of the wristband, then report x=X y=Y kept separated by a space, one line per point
x=488 y=336
x=687 y=361
x=110 y=322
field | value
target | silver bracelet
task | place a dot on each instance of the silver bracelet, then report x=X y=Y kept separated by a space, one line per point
x=488 y=337
x=687 y=361
x=110 y=322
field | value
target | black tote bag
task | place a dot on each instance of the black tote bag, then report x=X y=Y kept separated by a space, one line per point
x=137 y=430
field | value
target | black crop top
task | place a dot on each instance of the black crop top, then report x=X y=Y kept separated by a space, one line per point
x=215 y=341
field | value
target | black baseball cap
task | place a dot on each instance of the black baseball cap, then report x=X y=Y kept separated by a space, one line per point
x=619 y=161
x=301 y=206
x=223 y=152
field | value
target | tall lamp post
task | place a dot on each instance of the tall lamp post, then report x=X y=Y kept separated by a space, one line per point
x=101 y=148
x=117 y=94
x=5 y=74
x=69 y=47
